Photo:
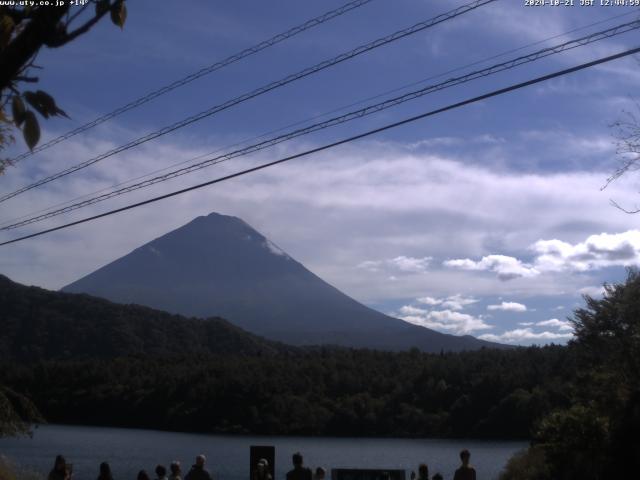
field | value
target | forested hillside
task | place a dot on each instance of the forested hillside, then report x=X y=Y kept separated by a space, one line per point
x=86 y=360
x=38 y=324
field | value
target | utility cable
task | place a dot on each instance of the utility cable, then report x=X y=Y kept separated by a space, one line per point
x=371 y=109
x=368 y=133
x=418 y=27
x=315 y=117
x=292 y=32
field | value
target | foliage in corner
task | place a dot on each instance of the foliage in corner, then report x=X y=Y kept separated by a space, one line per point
x=24 y=30
x=17 y=414
x=597 y=436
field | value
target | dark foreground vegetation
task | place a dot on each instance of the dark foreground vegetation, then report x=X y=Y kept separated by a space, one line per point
x=579 y=404
x=595 y=436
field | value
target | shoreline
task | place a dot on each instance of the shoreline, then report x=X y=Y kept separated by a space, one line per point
x=269 y=435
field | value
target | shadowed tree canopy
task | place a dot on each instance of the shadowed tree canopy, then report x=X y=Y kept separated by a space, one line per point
x=17 y=413
x=24 y=31
x=597 y=435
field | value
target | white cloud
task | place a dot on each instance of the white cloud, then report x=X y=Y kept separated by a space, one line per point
x=410 y=264
x=597 y=251
x=555 y=323
x=371 y=265
x=455 y=141
x=355 y=191
x=508 y=307
x=526 y=324
x=592 y=291
x=452 y=302
x=409 y=310
x=430 y=300
x=401 y=264
x=525 y=335
x=458 y=302
x=506 y=267
x=446 y=320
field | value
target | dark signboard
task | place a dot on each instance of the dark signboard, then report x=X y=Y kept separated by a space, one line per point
x=366 y=474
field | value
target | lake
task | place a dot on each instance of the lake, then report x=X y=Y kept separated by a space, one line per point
x=130 y=450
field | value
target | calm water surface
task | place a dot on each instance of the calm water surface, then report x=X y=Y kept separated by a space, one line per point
x=130 y=450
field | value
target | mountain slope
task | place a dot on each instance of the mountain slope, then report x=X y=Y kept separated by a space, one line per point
x=218 y=265
x=38 y=324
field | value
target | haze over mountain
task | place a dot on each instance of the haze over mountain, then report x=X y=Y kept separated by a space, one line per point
x=218 y=265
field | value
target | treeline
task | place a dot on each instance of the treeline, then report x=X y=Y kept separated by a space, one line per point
x=488 y=393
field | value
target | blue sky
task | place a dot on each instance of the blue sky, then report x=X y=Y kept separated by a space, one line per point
x=488 y=220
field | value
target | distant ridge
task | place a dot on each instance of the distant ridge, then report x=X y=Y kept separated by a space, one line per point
x=218 y=265
x=39 y=324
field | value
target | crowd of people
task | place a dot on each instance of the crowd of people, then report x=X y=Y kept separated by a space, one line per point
x=62 y=470
x=465 y=472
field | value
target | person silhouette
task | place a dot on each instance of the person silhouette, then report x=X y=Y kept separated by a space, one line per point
x=61 y=469
x=299 y=472
x=175 y=471
x=198 y=471
x=466 y=471
x=161 y=472
x=105 y=472
x=423 y=472
x=143 y=475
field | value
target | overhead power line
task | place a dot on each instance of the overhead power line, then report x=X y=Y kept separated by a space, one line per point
x=292 y=32
x=368 y=133
x=418 y=27
x=368 y=110
x=314 y=117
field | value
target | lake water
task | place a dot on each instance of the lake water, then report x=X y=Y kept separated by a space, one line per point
x=130 y=450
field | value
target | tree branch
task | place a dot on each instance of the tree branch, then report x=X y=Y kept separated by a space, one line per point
x=42 y=26
x=27 y=79
x=67 y=37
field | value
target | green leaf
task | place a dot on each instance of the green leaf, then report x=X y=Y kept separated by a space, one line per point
x=119 y=13
x=31 y=130
x=34 y=101
x=44 y=104
x=49 y=104
x=17 y=110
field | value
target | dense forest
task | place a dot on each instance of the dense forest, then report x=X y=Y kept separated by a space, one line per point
x=325 y=392
x=579 y=404
x=81 y=359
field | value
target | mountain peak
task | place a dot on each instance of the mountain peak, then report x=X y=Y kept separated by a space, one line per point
x=218 y=265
